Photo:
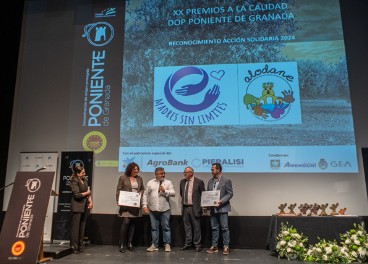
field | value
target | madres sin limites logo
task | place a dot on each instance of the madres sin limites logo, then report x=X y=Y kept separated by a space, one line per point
x=195 y=95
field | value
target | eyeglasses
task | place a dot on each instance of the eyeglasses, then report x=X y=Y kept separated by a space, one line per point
x=162 y=173
x=185 y=172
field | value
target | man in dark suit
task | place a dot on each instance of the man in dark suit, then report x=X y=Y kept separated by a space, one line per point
x=191 y=189
x=219 y=213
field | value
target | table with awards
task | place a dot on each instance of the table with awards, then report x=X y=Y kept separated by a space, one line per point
x=313 y=227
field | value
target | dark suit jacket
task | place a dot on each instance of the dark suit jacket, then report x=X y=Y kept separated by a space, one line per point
x=198 y=188
x=78 y=202
x=125 y=185
x=226 y=193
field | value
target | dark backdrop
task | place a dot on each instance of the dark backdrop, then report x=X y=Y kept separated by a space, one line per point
x=12 y=21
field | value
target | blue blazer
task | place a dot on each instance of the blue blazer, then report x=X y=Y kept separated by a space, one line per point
x=226 y=193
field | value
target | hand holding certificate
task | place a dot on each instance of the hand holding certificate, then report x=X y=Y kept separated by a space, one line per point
x=210 y=198
x=131 y=199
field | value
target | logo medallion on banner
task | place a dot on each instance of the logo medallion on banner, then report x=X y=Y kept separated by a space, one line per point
x=99 y=34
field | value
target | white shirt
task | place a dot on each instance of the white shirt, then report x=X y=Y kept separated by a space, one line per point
x=189 y=186
x=156 y=201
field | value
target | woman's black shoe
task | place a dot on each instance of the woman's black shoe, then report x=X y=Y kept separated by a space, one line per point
x=131 y=248
x=122 y=249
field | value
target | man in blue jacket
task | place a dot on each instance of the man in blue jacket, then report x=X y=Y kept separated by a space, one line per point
x=219 y=213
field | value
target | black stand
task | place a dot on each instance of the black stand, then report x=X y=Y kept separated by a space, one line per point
x=41 y=256
x=2 y=188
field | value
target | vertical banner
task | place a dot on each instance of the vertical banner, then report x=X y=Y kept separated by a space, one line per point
x=69 y=160
x=45 y=161
x=97 y=77
x=21 y=233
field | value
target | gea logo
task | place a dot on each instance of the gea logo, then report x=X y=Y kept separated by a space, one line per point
x=340 y=164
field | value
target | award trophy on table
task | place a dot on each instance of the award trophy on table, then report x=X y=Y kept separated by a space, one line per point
x=303 y=209
x=333 y=208
x=282 y=207
x=291 y=208
x=314 y=209
x=323 y=209
x=342 y=211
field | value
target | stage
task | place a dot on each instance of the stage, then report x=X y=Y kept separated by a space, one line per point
x=110 y=254
x=326 y=227
x=56 y=250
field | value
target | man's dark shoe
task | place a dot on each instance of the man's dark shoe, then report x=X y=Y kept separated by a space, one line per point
x=186 y=247
x=122 y=249
x=198 y=249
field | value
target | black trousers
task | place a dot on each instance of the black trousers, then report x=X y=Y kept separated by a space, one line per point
x=78 y=228
x=192 y=227
x=127 y=231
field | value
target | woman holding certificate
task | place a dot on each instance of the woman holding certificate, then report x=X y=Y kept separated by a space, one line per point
x=129 y=182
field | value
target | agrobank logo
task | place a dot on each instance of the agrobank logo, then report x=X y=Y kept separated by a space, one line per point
x=98 y=34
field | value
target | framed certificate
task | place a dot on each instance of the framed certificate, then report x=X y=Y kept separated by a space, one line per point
x=210 y=198
x=131 y=199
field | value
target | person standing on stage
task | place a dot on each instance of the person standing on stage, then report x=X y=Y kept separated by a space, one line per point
x=219 y=213
x=81 y=204
x=129 y=182
x=156 y=202
x=191 y=189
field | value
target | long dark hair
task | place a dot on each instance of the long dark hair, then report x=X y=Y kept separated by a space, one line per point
x=130 y=167
x=78 y=169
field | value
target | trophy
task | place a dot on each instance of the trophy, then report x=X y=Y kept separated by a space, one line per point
x=314 y=209
x=291 y=208
x=323 y=208
x=282 y=207
x=333 y=208
x=304 y=208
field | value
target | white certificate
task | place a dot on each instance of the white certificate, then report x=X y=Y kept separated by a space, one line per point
x=131 y=199
x=210 y=198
